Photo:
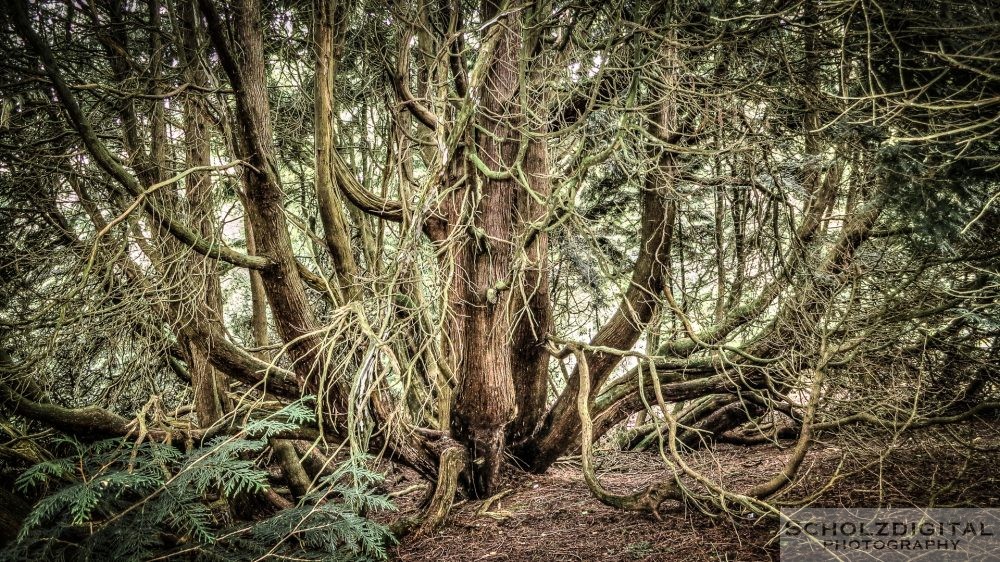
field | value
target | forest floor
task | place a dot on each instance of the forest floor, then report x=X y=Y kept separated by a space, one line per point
x=553 y=517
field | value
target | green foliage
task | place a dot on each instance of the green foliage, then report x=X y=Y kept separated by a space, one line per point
x=333 y=527
x=114 y=500
x=937 y=201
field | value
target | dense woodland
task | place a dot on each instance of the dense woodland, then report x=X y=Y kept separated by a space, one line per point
x=252 y=254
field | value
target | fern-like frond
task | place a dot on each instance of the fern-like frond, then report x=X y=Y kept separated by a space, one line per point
x=135 y=502
x=43 y=473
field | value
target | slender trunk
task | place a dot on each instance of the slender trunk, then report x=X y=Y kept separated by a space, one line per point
x=211 y=401
x=293 y=317
x=561 y=427
x=258 y=297
x=327 y=44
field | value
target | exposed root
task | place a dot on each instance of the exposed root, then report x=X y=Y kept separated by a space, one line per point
x=452 y=462
x=408 y=490
x=484 y=510
x=298 y=479
x=647 y=500
x=788 y=473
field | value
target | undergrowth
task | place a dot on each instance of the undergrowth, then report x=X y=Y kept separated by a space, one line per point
x=115 y=500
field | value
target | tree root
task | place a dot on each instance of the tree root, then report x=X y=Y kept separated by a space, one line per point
x=452 y=462
x=298 y=479
x=647 y=500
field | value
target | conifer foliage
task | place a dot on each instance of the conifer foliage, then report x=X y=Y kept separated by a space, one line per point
x=116 y=500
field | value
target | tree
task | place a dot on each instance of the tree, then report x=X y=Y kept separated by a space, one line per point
x=488 y=234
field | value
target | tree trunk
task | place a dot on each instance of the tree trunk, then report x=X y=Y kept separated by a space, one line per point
x=485 y=399
x=327 y=41
x=293 y=317
x=210 y=386
x=561 y=426
x=531 y=304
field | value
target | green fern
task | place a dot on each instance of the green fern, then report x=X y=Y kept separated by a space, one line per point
x=328 y=522
x=113 y=500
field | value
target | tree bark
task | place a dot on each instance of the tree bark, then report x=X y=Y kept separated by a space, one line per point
x=293 y=317
x=561 y=426
x=327 y=42
x=210 y=386
x=484 y=401
x=531 y=303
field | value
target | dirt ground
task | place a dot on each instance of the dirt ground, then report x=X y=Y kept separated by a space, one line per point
x=553 y=517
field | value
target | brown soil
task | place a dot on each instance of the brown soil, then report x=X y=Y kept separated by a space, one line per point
x=553 y=517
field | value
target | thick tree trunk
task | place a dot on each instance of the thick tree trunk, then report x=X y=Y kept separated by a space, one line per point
x=531 y=304
x=485 y=399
